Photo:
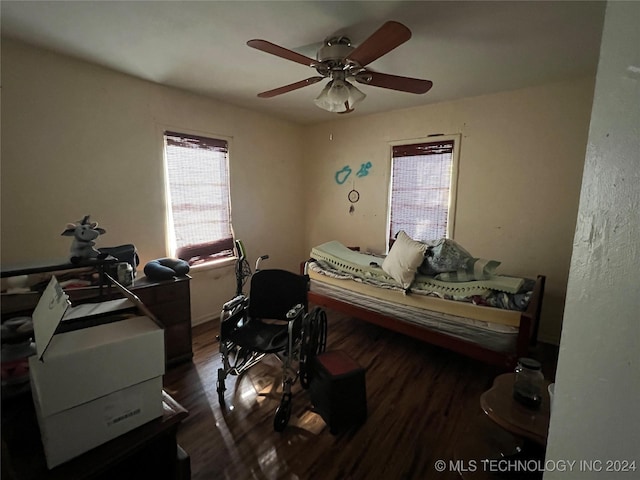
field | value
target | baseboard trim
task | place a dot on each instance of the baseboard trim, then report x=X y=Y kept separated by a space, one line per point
x=203 y=319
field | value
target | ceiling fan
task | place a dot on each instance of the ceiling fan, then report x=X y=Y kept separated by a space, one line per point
x=338 y=60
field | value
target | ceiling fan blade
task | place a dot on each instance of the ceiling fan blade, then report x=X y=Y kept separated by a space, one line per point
x=290 y=87
x=382 y=41
x=281 y=52
x=394 y=82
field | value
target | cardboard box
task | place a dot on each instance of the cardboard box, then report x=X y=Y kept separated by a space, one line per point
x=91 y=385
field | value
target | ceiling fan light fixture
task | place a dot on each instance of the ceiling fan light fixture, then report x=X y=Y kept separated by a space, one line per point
x=338 y=92
x=355 y=95
x=339 y=96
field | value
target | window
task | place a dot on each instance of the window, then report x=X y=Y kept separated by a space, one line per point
x=422 y=193
x=197 y=176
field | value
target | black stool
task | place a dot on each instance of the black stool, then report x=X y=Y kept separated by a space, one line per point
x=338 y=390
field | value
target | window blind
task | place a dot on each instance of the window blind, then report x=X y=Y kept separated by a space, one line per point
x=198 y=179
x=420 y=186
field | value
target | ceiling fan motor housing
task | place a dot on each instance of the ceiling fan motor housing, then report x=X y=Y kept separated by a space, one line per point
x=332 y=55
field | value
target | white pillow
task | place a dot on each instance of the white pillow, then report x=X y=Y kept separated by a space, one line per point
x=404 y=258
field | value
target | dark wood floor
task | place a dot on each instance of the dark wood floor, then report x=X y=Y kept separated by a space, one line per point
x=421 y=402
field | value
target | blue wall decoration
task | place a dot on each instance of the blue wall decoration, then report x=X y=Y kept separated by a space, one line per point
x=364 y=169
x=342 y=175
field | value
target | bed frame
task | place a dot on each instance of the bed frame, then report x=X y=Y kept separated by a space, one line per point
x=527 y=332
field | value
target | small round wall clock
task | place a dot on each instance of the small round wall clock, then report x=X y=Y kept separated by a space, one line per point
x=353 y=196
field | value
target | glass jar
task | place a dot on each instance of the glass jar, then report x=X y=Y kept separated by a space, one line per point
x=125 y=274
x=529 y=383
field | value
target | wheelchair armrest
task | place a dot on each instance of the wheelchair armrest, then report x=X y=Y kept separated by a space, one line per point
x=295 y=312
x=233 y=303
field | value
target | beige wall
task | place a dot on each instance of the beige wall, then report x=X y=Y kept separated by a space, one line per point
x=79 y=139
x=521 y=160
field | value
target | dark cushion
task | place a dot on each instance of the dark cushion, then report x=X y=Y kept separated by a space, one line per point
x=166 y=268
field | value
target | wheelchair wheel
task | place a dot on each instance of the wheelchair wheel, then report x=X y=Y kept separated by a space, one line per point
x=283 y=414
x=314 y=340
x=220 y=387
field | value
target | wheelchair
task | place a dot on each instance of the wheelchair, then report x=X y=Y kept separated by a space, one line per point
x=272 y=320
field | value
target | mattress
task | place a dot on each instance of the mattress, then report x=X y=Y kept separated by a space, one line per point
x=368 y=267
x=493 y=328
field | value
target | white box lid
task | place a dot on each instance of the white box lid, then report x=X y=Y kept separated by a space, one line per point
x=54 y=307
x=47 y=315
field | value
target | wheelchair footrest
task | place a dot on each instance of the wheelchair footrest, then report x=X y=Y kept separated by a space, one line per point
x=338 y=390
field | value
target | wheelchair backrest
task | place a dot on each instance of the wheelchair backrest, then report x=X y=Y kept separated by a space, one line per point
x=274 y=292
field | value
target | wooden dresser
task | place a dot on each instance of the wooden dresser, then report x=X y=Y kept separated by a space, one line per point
x=170 y=302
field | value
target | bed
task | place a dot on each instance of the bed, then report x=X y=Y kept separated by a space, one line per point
x=464 y=317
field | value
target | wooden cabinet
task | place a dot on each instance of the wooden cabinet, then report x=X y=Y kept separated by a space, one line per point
x=170 y=302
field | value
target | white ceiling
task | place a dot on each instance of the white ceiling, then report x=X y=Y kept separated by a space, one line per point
x=465 y=48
